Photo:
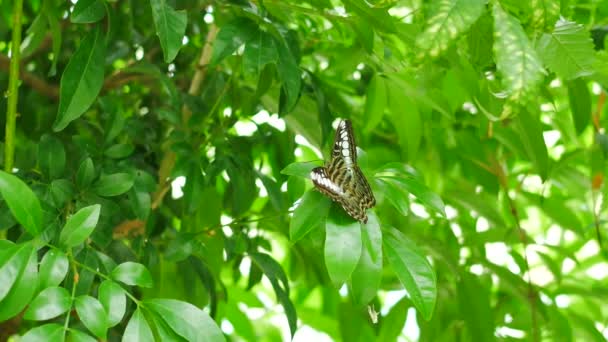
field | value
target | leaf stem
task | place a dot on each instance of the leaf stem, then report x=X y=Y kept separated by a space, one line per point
x=13 y=89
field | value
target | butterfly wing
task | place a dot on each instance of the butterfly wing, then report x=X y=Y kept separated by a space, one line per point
x=341 y=179
x=344 y=144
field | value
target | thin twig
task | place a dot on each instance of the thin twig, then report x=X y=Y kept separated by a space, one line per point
x=523 y=238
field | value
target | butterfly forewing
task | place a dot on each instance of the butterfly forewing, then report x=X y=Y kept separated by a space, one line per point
x=341 y=179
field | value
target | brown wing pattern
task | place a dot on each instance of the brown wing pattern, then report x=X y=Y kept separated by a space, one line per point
x=341 y=179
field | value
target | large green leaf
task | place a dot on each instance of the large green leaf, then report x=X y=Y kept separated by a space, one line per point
x=22 y=291
x=92 y=315
x=544 y=13
x=88 y=11
x=49 y=303
x=568 y=50
x=132 y=273
x=260 y=50
x=375 y=102
x=516 y=59
x=79 y=226
x=53 y=268
x=51 y=332
x=170 y=27
x=310 y=213
x=289 y=73
x=450 y=19
x=280 y=284
x=413 y=270
x=342 y=246
x=137 y=329
x=231 y=36
x=531 y=135
x=51 y=156
x=367 y=275
x=114 y=301
x=186 y=320
x=81 y=80
x=22 y=202
x=405 y=117
x=114 y=184
x=379 y=18
x=475 y=306
x=13 y=261
x=580 y=103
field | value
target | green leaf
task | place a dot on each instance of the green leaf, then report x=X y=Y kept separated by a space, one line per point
x=137 y=329
x=231 y=36
x=428 y=198
x=51 y=332
x=81 y=80
x=51 y=156
x=375 y=102
x=53 y=268
x=162 y=329
x=22 y=202
x=474 y=299
x=516 y=59
x=13 y=261
x=300 y=169
x=394 y=321
x=79 y=336
x=119 y=151
x=395 y=195
x=529 y=128
x=274 y=192
x=450 y=19
x=22 y=291
x=280 y=284
x=290 y=75
x=378 y=18
x=568 y=50
x=34 y=35
x=365 y=279
x=405 y=117
x=79 y=226
x=413 y=270
x=140 y=203
x=88 y=11
x=544 y=14
x=342 y=246
x=55 y=30
x=114 y=301
x=61 y=191
x=170 y=27
x=50 y=303
x=132 y=273
x=259 y=51
x=580 y=103
x=310 y=213
x=186 y=320
x=92 y=315
x=85 y=173
x=113 y=185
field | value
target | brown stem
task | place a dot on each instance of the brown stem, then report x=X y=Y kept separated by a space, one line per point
x=523 y=238
x=168 y=160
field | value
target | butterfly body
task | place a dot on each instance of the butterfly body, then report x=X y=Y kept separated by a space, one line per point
x=341 y=178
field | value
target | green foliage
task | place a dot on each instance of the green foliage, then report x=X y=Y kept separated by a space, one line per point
x=160 y=188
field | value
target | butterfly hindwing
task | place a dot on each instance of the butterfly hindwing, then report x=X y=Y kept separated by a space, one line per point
x=341 y=179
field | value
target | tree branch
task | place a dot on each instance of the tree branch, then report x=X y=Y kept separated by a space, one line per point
x=168 y=160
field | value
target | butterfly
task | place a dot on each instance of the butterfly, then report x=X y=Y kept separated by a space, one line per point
x=341 y=179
